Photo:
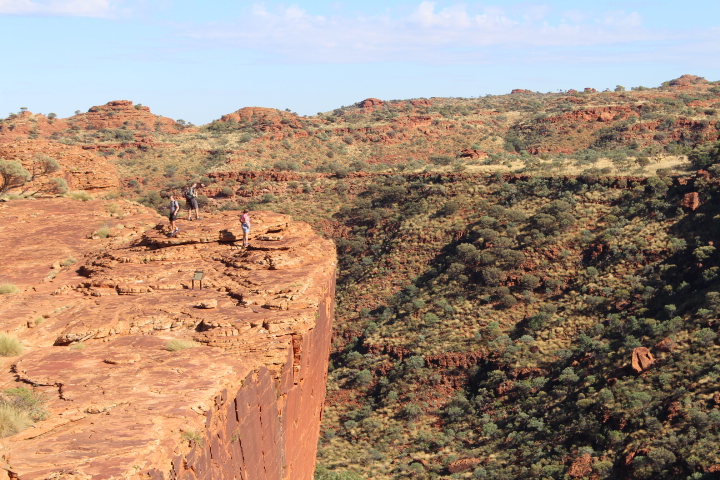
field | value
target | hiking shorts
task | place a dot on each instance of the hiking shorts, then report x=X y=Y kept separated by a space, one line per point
x=192 y=204
x=246 y=228
x=173 y=216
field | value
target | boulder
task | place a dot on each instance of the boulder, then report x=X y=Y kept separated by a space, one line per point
x=208 y=304
x=691 y=200
x=642 y=359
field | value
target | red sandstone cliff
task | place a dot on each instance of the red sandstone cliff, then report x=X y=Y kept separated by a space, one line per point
x=249 y=396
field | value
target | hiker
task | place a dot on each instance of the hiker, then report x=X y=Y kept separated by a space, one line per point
x=245 y=221
x=174 y=209
x=191 y=201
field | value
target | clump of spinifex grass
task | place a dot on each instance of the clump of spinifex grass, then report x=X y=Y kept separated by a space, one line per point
x=10 y=346
x=178 y=344
x=7 y=289
x=20 y=408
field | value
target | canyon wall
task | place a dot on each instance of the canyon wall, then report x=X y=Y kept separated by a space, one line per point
x=103 y=291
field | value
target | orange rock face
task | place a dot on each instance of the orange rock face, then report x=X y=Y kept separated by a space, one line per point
x=245 y=402
x=581 y=466
x=371 y=102
x=119 y=113
x=691 y=200
x=642 y=359
x=81 y=169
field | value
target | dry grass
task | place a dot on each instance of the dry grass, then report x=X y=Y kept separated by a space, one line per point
x=12 y=420
x=178 y=344
x=8 y=289
x=10 y=346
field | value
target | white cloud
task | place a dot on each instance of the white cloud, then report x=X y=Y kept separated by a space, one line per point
x=70 y=8
x=430 y=34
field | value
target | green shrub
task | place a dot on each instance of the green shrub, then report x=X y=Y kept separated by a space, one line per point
x=178 y=344
x=529 y=282
x=7 y=289
x=12 y=175
x=363 y=377
x=57 y=185
x=508 y=301
x=193 y=437
x=10 y=346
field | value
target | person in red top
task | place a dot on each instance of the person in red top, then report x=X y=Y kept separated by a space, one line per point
x=245 y=221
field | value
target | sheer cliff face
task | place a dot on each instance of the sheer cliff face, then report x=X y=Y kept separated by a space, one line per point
x=244 y=402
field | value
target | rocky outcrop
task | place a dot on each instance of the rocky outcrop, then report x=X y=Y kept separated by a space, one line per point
x=81 y=169
x=517 y=91
x=687 y=81
x=581 y=466
x=244 y=402
x=642 y=359
x=370 y=103
x=268 y=119
x=122 y=113
x=462 y=465
x=118 y=114
x=691 y=200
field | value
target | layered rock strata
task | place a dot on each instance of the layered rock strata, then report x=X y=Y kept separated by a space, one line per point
x=245 y=402
x=81 y=169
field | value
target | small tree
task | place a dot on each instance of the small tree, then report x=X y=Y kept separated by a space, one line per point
x=56 y=185
x=44 y=165
x=12 y=175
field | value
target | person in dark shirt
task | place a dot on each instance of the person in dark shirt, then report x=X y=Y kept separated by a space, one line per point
x=174 y=209
x=192 y=203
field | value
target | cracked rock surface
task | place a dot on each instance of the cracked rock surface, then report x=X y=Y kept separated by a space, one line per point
x=95 y=316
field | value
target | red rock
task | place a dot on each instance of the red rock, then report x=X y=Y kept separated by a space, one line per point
x=691 y=200
x=642 y=359
x=371 y=102
x=581 y=466
x=590 y=90
x=252 y=393
x=462 y=465
x=82 y=170
x=665 y=345
x=687 y=80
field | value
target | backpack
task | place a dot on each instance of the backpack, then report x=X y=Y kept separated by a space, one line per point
x=189 y=194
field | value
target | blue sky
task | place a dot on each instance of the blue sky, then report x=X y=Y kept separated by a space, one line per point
x=199 y=60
